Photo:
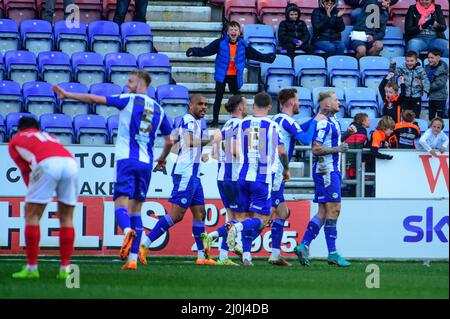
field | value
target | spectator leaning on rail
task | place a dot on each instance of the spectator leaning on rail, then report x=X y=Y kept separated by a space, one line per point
x=406 y=132
x=328 y=24
x=425 y=26
x=293 y=33
x=375 y=29
x=232 y=51
x=434 y=139
x=437 y=71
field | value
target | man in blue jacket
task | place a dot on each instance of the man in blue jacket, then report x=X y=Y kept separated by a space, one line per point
x=232 y=52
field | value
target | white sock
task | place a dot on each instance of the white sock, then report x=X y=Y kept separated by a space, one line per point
x=239 y=227
x=200 y=254
x=223 y=254
x=32 y=267
x=214 y=234
x=132 y=257
x=275 y=252
x=126 y=230
x=147 y=242
x=64 y=268
x=247 y=256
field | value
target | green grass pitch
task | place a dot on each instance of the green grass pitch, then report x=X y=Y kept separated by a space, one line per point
x=172 y=277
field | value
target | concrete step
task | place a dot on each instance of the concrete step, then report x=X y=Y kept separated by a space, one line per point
x=180 y=44
x=169 y=12
x=177 y=3
x=246 y=89
x=188 y=29
x=196 y=74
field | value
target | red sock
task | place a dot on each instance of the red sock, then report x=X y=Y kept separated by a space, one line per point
x=32 y=237
x=66 y=239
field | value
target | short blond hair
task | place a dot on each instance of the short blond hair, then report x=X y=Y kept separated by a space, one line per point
x=142 y=75
x=323 y=95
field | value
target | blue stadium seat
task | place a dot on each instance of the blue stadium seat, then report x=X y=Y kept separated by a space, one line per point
x=345 y=36
x=151 y=92
x=173 y=98
x=343 y=71
x=39 y=98
x=10 y=97
x=105 y=89
x=36 y=36
x=54 y=67
x=373 y=69
x=12 y=120
x=305 y=101
x=119 y=66
x=393 y=43
x=21 y=66
x=9 y=35
x=104 y=37
x=113 y=126
x=345 y=123
x=88 y=68
x=90 y=129
x=278 y=74
x=339 y=94
x=157 y=65
x=59 y=125
x=137 y=37
x=423 y=125
x=310 y=71
x=70 y=40
x=261 y=37
x=373 y=126
x=73 y=107
x=2 y=68
x=2 y=130
x=362 y=100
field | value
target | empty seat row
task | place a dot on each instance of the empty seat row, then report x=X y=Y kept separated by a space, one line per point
x=102 y=37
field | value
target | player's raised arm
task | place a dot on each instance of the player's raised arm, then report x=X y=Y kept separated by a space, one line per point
x=87 y=98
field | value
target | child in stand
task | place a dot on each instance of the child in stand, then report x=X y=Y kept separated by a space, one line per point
x=392 y=100
x=406 y=132
x=434 y=139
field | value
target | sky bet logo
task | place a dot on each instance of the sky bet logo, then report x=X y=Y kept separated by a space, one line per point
x=414 y=225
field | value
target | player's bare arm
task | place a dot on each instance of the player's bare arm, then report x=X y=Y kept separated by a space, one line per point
x=319 y=149
x=87 y=98
x=284 y=159
x=168 y=143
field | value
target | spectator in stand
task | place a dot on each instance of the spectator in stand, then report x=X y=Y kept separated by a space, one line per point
x=357 y=6
x=328 y=24
x=424 y=27
x=416 y=83
x=392 y=100
x=232 y=52
x=293 y=33
x=375 y=33
x=380 y=137
x=437 y=71
x=50 y=9
x=357 y=140
x=122 y=9
x=406 y=132
x=434 y=139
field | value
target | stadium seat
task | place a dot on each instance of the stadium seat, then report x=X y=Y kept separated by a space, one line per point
x=361 y=100
x=21 y=66
x=261 y=38
x=423 y=125
x=2 y=68
x=119 y=66
x=70 y=39
x=137 y=38
x=12 y=120
x=173 y=98
x=393 y=43
x=9 y=35
x=104 y=37
x=19 y=10
x=10 y=97
x=271 y=12
x=36 y=36
x=2 y=130
x=38 y=98
x=151 y=92
x=306 y=7
x=345 y=123
x=90 y=129
x=398 y=12
x=105 y=89
x=278 y=74
x=345 y=36
x=305 y=101
x=73 y=107
x=90 y=10
x=54 y=67
x=157 y=65
x=339 y=94
x=242 y=11
x=112 y=125
x=373 y=69
x=310 y=71
x=88 y=68
x=110 y=6
x=59 y=125
x=343 y=71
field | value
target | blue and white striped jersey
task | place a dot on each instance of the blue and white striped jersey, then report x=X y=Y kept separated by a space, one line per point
x=139 y=121
x=289 y=130
x=328 y=133
x=228 y=164
x=258 y=139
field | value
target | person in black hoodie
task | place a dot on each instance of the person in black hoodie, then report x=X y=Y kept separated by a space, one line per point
x=293 y=33
x=392 y=100
x=328 y=24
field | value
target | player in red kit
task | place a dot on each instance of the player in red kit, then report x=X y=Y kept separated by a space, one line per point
x=47 y=167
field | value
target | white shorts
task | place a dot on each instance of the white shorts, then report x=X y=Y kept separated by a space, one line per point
x=54 y=174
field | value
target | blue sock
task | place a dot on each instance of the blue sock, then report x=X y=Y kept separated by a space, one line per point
x=277 y=232
x=122 y=217
x=160 y=228
x=247 y=239
x=136 y=224
x=312 y=230
x=330 y=234
x=197 y=229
